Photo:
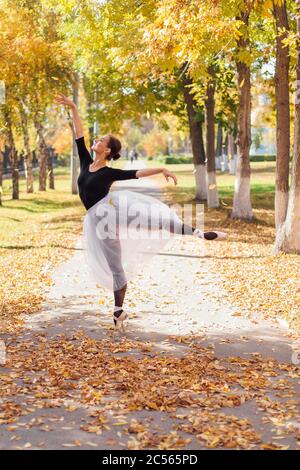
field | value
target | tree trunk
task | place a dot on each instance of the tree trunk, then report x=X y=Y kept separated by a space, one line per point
x=42 y=155
x=225 y=158
x=282 y=115
x=242 y=208
x=91 y=127
x=13 y=157
x=219 y=150
x=212 y=192
x=1 y=175
x=196 y=137
x=50 y=170
x=225 y=145
x=231 y=154
x=74 y=152
x=288 y=235
x=28 y=153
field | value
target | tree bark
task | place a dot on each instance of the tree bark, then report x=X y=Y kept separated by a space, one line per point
x=219 y=141
x=13 y=156
x=91 y=127
x=231 y=154
x=212 y=192
x=42 y=155
x=225 y=156
x=219 y=150
x=282 y=114
x=242 y=208
x=1 y=175
x=225 y=145
x=50 y=170
x=288 y=235
x=28 y=153
x=74 y=151
x=196 y=137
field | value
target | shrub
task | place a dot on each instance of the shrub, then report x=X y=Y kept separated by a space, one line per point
x=174 y=159
x=263 y=158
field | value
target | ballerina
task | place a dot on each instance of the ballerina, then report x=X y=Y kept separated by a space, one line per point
x=114 y=259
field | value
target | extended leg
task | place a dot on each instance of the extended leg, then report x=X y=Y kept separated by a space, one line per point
x=175 y=225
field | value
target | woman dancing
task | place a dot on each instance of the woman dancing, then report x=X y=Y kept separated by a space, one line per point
x=112 y=259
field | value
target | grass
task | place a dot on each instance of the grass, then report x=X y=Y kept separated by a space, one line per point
x=59 y=210
x=262 y=183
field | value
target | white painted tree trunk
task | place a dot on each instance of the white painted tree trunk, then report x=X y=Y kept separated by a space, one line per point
x=218 y=163
x=212 y=191
x=224 y=164
x=241 y=200
x=232 y=155
x=232 y=165
x=288 y=235
x=242 y=208
x=281 y=204
x=74 y=160
x=282 y=94
x=196 y=137
x=200 y=180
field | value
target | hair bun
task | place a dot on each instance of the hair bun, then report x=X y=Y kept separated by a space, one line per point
x=116 y=156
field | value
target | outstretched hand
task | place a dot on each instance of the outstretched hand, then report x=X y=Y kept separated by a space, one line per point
x=62 y=99
x=167 y=174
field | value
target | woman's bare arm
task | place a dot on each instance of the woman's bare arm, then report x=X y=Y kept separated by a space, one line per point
x=78 y=127
x=155 y=171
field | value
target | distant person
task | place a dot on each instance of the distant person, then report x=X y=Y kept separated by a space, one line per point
x=131 y=156
x=136 y=155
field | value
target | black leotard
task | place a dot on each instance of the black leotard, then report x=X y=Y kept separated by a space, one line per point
x=93 y=186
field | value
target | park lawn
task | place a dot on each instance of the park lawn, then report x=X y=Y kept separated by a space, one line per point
x=262 y=183
x=253 y=278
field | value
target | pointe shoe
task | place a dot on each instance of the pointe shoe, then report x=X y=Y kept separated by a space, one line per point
x=214 y=235
x=119 y=317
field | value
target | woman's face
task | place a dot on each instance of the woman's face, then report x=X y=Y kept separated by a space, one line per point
x=100 y=145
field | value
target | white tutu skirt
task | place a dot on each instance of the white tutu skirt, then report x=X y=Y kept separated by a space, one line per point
x=122 y=232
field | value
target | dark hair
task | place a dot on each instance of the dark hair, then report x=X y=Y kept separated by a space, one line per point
x=115 y=147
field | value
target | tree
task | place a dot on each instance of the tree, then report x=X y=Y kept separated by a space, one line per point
x=28 y=152
x=241 y=201
x=212 y=193
x=282 y=113
x=171 y=42
x=196 y=136
x=13 y=154
x=135 y=52
x=36 y=64
x=288 y=234
x=1 y=175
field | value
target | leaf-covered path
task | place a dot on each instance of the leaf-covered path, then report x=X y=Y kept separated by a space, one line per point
x=191 y=371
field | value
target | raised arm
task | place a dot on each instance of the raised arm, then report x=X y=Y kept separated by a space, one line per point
x=62 y=99
x=155 y=171
x=83 y=153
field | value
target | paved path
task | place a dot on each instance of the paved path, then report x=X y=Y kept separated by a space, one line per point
x=178 y=312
